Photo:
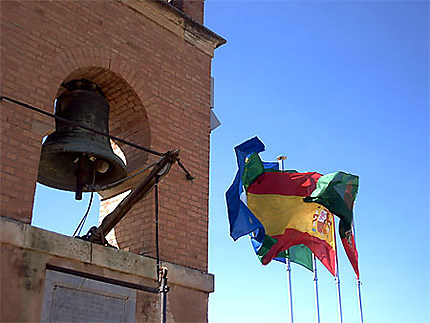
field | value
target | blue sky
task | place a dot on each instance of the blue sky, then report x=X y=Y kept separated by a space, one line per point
x=333 y=85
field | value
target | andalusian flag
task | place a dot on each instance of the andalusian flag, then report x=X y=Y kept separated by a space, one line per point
x=282 y=209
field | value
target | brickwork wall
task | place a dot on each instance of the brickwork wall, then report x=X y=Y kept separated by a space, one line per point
x=158 y=86
x=192 y=8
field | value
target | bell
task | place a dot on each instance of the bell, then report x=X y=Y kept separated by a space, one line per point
x=75 y=159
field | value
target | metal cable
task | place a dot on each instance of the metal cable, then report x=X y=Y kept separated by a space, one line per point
x=28 y=106
x=110 y=185
x=81 y=224
x=148 y=150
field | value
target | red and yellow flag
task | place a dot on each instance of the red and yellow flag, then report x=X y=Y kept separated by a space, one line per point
x=276 y=199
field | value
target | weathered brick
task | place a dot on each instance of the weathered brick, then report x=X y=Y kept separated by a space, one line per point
x=158 y=88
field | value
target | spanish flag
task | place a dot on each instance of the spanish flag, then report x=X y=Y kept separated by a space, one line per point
x=276 y=199
x=281 y=209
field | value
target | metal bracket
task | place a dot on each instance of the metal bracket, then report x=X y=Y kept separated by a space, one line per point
x=98 y=234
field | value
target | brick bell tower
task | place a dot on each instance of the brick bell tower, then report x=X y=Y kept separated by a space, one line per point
x=152 y=61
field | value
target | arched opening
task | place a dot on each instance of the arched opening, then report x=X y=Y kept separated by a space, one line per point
x=57 y=210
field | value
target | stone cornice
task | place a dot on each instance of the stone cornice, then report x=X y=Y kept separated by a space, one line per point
x=174 y=20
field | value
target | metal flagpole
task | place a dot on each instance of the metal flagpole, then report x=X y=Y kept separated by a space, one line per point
x=287 y=260
x=317 y=302
x=290 y=292
x=360 y=305
x=337 y=281
x=360 y=309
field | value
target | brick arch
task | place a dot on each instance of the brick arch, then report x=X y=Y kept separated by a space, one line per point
x=98 y=62
x=108 y=58
x=128 y=119
x=120 y=78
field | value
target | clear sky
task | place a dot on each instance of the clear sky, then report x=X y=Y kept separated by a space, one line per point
x=333 y=85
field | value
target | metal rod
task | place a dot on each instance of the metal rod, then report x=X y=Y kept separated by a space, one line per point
x=163 y=294
x=287 y=260
x=104 y=279
x=290 y=291
x=360 y=307
x=157 y=245
x=317 y=302
x=337 y=281
x=28 y=106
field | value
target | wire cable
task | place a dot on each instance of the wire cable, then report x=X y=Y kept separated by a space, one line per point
x=148 y=150
x=28 y=106
x=113 y=184
x=81 y=224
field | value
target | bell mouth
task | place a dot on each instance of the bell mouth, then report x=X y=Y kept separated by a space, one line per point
x=74 y=158
x=61 y=169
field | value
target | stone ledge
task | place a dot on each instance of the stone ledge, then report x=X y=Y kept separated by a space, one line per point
x=174 y=20
x=28 y=237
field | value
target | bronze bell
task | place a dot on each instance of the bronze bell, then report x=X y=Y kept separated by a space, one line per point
x=75 y=159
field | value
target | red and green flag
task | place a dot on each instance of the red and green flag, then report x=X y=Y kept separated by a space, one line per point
x=285 y=209
x=337 y=191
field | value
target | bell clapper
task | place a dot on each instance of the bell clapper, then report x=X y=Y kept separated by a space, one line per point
x=102 y=166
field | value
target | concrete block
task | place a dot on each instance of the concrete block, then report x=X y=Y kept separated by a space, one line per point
x=123 y=261
x=12 y=232
x=57 y=244
x=190 y=278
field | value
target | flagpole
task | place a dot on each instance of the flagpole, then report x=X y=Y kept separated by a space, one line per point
x=360 y=308
x=360 y=305
x=290 y=292
x=317 y=303
x=287 y=260
x=337 y=281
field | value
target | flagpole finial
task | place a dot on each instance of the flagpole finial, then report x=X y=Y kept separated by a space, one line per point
x=281 y=162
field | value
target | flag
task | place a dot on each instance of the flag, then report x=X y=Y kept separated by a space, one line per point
x=276 y=200
x=348 y=241
x=337 y=192
x=299 y=254
x=277 y=207
x=242 y=221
